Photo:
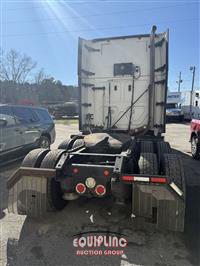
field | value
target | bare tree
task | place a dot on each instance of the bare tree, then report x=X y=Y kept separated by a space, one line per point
x=40 y=76
x=15 y=66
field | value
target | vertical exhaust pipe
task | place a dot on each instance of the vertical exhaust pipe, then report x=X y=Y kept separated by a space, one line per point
x=152 y=76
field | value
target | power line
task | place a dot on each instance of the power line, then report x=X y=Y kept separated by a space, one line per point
x=94 y=15
x=89 y=30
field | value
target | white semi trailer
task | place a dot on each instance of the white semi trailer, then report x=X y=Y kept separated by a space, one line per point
x=120 y=151
x=190 y=104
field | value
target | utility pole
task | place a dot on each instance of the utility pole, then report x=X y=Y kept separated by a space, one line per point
x=192 y=68
x=179 y=82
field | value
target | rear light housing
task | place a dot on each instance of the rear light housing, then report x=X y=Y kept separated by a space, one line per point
x=75 y=170
x=80 y=188
x=100 y=190
x=106 y=173
x=90 y=182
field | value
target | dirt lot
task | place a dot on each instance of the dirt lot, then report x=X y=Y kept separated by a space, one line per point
x=28 y=242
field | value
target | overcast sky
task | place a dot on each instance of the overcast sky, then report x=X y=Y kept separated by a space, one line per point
x=48 y=31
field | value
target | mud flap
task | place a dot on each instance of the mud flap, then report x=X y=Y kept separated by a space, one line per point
x=160 y=205
x=27 y=191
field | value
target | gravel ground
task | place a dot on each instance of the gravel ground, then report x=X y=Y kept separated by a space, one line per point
x=25 y=241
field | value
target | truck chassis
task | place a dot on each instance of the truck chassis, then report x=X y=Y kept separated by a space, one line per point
x=145 y=173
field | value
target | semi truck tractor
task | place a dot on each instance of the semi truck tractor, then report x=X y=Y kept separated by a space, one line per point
x=173 y=109
x=120 y=152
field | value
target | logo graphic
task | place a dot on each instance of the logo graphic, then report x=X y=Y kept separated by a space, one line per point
x=99 y=244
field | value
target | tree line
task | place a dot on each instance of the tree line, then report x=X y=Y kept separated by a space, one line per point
x=18 y=84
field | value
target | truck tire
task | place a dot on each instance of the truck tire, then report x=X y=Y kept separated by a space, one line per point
x=77 y=143
x=195 y=147
x=135 y=149
x=54 y=192
x=148 y=164
x=64 y=144
x=146 y=146
x=171 y=165
x=163 y=147
x=34 y=158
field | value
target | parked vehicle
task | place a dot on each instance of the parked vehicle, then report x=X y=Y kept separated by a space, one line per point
x=23 y=129
x=65 y=110
x=195 y=138
x=190 y=111
x=121 y=151
x=173 y=110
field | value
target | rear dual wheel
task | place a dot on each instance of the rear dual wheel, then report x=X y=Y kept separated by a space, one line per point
x=66 y=144
x=146 y=146
x=44 y=158
x=148 y=164
x=54 y=191
x=195 y=147
x=34 y=158
x=172 y=166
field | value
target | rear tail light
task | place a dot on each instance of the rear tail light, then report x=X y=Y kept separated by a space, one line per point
x=80 y=188
x=100 y=190
x=106 y=172
x=90 y=182
x=75 y=170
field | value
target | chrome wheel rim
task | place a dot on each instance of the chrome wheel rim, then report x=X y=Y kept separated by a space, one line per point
x=44 y=144
x=194 y=146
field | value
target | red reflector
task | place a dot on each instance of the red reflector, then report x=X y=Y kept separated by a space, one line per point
x=100 y=190
x=128 y=178
x=80 y=188
x=75 y=170
x=158 y=180
x=106 y=173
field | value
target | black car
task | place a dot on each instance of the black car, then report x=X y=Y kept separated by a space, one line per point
x=24 y=128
